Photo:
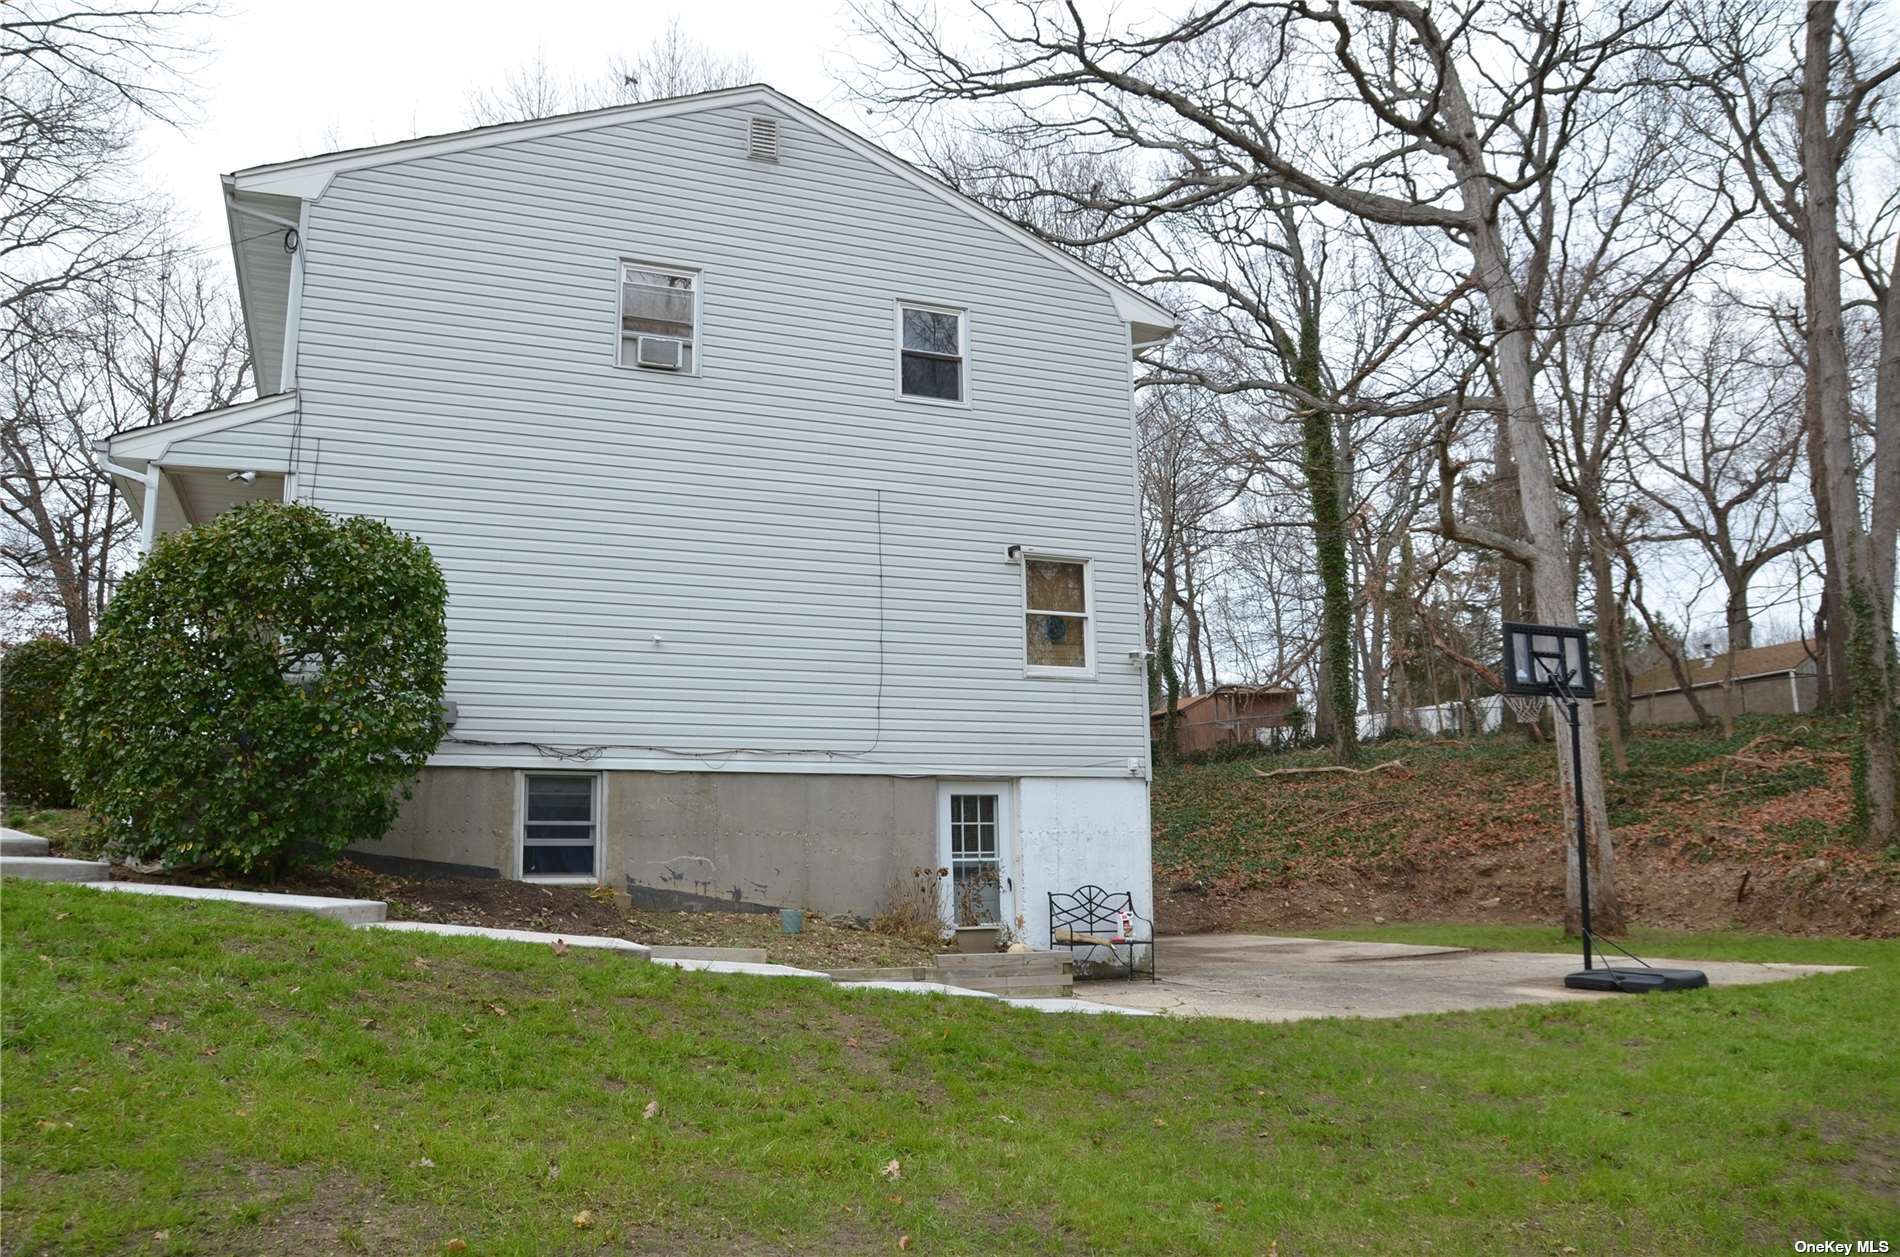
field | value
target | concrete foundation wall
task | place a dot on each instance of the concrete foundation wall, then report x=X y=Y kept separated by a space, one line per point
x=830 y=843
x=457 y=816
x=1072 y=832
x=760 y=841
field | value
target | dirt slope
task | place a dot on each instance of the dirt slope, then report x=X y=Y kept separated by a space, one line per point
x=1749 y=831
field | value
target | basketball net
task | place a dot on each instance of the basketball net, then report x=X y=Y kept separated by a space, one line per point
x=1526 y=707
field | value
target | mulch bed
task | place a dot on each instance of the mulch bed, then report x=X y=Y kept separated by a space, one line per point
x=824 y=943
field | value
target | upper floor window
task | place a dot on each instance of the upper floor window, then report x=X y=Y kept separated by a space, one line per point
x=930 y=352
x=659 y=317
x=1056 y=614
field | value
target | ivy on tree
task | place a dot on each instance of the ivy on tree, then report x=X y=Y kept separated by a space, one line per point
x=264 y=689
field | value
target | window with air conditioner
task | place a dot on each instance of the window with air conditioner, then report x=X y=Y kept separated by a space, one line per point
x=659 y=318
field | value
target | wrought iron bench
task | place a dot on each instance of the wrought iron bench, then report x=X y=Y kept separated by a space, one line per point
x=1091 y=917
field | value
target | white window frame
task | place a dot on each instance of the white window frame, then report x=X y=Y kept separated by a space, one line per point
x=698 y=275
x=521 y=822
x=963 y=352
x=1005 y=792
x=1023 y=612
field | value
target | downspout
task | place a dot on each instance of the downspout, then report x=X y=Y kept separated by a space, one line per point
x=148 y=524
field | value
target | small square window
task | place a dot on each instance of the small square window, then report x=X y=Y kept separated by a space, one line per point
x=1056 y=614
x=659 y=318
x=559 y=825
x=930 y=353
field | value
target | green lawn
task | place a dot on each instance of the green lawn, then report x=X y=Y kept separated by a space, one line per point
x=185 y=1078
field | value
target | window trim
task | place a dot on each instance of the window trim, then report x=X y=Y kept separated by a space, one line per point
x=698 y=276
x=963 y=352
x=521 y=833
x=1050 y=671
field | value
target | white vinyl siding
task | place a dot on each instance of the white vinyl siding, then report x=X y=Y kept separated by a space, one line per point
x=822 y=562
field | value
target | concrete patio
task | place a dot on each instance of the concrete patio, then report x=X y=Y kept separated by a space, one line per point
x=1257 y=977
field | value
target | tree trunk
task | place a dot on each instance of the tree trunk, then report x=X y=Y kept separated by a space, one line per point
x=1329 y=544
x=1553 y=591
x=1863 y=609
x=1609 y=641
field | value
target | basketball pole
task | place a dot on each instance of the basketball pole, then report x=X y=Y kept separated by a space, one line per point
x=1583 y=841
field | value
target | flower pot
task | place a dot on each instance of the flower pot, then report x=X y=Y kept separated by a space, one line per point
x=976 y=939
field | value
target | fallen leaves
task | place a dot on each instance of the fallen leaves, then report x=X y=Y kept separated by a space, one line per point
x=651 y=1111
x=892 y=1171
x=583 y=1219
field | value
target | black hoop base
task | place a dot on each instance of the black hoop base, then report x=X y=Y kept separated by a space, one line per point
x=1636 y=981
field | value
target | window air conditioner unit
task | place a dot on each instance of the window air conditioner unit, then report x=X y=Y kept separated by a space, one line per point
x=664 y=353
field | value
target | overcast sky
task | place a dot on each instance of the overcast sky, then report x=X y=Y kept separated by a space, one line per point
x=285 y=80
x=288 y=79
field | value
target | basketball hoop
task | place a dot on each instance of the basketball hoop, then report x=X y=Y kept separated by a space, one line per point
x=1526 y=708
x=1551 y=663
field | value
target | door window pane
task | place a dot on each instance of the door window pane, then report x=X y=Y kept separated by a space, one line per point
x=975 y=868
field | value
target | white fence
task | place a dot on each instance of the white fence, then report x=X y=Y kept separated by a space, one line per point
x=1457 y=720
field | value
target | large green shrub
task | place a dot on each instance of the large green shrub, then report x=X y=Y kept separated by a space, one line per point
x=33 y=679
x=265 y=687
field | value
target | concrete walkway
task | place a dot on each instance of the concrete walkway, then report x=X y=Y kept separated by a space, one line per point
x=1257 y=977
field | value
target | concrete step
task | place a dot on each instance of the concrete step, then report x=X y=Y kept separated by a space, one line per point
x=14 y=842
x=997 y=963
x=354 y=911
x=48 y=868
x=601 y=942
x=749 y=955
x=887 y=973
x=1018 y=989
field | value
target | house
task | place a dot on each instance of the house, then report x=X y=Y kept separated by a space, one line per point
x=1774 y=679
x=1227 y=715
x=786 y=500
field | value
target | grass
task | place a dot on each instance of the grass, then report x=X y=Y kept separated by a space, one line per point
x=1216 y=821
x=62 y=827
x=194 y=1078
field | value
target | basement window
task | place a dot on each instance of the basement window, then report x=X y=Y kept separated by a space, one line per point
x=560 y=826
x=1056 y=616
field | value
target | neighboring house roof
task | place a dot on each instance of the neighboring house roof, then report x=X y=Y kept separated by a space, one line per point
x=1238 y=691
x=1783 y=657
x=262 y=202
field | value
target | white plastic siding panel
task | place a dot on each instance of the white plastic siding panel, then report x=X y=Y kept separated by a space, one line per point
x=262 y=445
x=266 y=295
x=822 y=564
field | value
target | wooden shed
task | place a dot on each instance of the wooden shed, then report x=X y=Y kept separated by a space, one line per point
x=1229 y=715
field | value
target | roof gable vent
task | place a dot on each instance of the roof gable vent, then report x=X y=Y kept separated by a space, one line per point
x=761 y=139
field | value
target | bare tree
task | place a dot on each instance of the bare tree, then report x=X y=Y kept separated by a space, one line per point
x=1794 y=118
x=148 y=346
x=674 y=64
x=1723 y=441
x=76 y=82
